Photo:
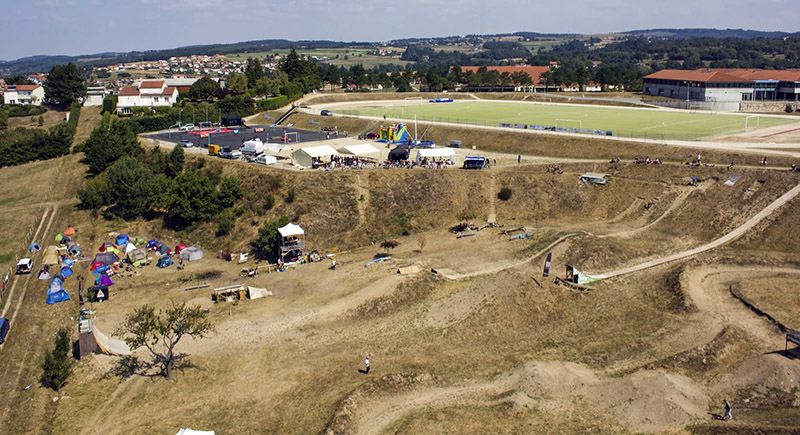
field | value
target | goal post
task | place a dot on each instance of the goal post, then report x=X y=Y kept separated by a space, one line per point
x=748 y=118
x=413 y=100
x=573 y=121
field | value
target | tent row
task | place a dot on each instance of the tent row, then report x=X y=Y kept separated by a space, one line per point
x=305 y=157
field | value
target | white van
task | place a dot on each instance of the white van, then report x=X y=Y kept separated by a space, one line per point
x=252 y=147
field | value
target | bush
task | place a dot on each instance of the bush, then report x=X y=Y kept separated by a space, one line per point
x=269 y=201
x=225 y=222
x=789 y=108
x=57 y=364
x=268 y=236
x=291 y=195
x=505 y=194
x=273 y=103
x=110 y=104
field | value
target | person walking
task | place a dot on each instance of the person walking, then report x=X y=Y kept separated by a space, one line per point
x=333 y=263
x=366 y=365
x=726 y=415
x=519 y=159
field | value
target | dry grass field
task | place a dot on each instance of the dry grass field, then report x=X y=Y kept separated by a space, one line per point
x=478 y=341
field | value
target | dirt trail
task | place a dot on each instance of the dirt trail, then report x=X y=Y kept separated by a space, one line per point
x=362 y=200
x=736 y=233
x=492 y=205
x=644 y=401
x=89 y=119
x=675 y=204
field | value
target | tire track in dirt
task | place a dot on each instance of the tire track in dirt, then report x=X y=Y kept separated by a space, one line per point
x=362 y=201
x=16 y=280
x=736 y=233
x=628 y=233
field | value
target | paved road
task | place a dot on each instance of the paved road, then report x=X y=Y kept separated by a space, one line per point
x=736 y=233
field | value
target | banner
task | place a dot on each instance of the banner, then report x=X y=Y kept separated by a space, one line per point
x=547 y=265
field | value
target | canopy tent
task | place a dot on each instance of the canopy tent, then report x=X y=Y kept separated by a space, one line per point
x=291 y=230
x=122 y=240
x=399 y=153
x=304 y=157
x=34 y=247
x=192 y=253
x=50 y=255
x=436 y=154
x=363 y=150
x=107 y=258
x=138 y=257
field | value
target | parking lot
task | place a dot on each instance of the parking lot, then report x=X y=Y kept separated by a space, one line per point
x=235 y=138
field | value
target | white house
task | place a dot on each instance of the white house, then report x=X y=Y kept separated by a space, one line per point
x=94 y=96
x=150 y=93
x=23 y=94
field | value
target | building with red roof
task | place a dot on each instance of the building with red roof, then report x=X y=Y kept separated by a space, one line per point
x=23 y=94
x=724 y=84
x=149 y=93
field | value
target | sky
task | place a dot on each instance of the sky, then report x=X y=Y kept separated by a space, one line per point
x=74 y=27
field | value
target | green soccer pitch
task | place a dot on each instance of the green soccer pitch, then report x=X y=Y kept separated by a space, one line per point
x=623 y=122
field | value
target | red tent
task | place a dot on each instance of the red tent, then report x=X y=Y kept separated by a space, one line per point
x=180 y=248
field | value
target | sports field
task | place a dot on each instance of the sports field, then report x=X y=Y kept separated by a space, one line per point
x=624 y=122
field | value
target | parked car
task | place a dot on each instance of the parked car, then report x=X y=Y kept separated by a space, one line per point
x=186 y=143
x=265 y=159
x=226 y=152
x=326 y=113
x=252 y=147
x=187 y=127
x=456 y=144
x=4 y=325
x=24 y=265
x=370 y=135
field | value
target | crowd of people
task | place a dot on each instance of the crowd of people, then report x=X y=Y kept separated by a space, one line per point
x=554 y=169
x=646 y=161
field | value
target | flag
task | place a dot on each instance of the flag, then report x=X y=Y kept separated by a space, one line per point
x=546 y=271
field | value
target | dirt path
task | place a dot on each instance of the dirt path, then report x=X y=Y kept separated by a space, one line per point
x=362 y=201
x=17 y=279
x=89 y=119
x=492 y=197
x=736 y=233
x=675 y=204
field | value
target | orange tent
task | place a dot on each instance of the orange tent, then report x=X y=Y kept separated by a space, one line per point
x=70 y=231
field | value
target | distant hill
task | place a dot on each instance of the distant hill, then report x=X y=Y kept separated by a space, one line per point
x=33 y=64
x=706 y=33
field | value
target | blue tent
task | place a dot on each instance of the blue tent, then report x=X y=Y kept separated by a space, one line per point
x=122 y=240
x=100 y=269
x=55 y=286
x=57 y=297
x=164 y=261
x=66 y=271
x=34 y=247
x=152 y=244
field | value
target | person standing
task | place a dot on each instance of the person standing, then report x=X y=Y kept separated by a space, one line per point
x=519 y=159
x=727 y=414
x=698 y=158
x=333 y=263
x=366 y=365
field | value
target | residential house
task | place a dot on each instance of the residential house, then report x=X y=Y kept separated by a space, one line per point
x=149 y=93
x=23 y=94
x=94 y=96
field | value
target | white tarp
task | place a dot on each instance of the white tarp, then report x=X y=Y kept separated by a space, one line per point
x=195 y=432
x=304 y=156
x=436 y=153
x=274 y=148
x=110 y=345
x=258 y=292
x=291 y=230
x=361 y=150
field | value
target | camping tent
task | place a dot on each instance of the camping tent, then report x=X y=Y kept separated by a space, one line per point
x=152 y=244
x=66 y=240
x=122 y=240
x=103 y=280
x=436 y=154
x=162 y=249
x=138 y=257
x=192 y=253
x=66 y=271
x=34 y=247
x=364 y=151
x=50 y=255
x=164 y=261
x=304 y=156
x=105 y=246
x=99 y=292
x=139 y=241
x=74 y=250
x=70 y=231
x=107 y=258
x=291 y=230
x=100 y=269
x=130 y=247
x=399 y=153
x=59 y=236
x=44 y=274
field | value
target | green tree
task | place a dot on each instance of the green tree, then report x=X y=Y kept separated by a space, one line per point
x=131 y=187
x=157 y=161
x=268 y=237
x=57 y=363
x=65 y=84
x=3 y=119
x=108 y=142
x=192 y=199
x=159 y=195
x=230 y=190
x=40 y=121
x=175 y=161
x=254 y=71
x=160 y=332
x=204 y=89
x=236 y=83
x=291 y=65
